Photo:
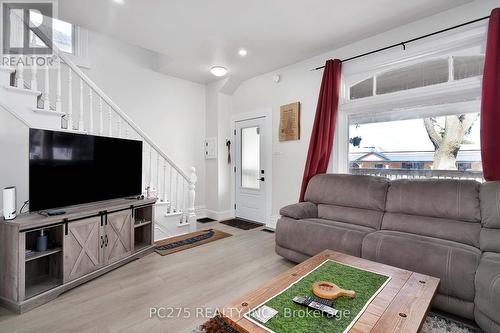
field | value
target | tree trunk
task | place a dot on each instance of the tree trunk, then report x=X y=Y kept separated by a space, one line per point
x=448 y=141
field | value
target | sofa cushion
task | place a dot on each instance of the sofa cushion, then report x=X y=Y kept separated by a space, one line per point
x=311 y=236
x=457 y=231
x=442 y=198
x=348 y=190
x=454 y=263
x=488 y=289
x=490 y=204
x=301 y=210
x=490 y=240
x=364 y=217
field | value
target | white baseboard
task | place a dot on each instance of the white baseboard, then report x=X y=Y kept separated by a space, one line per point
x=271 y=222
x=200 y=211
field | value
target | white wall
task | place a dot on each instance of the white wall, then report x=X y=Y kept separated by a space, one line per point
x=170 y=110
x=14 y=156
x=218 y=171
x=299 y=83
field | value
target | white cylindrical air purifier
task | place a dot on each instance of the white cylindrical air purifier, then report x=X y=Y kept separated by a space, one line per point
x=9 y=203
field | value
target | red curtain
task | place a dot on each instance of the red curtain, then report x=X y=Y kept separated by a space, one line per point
x=321 y=143
x=490 y=103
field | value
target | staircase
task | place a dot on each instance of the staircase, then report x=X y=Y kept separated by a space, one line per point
x=59 y=96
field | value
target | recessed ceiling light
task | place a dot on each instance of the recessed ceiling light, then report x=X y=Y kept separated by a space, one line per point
x=218 y=71
x=242 y=52
x=121 y=2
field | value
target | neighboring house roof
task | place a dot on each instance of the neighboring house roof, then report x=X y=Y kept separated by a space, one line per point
x=411 y=156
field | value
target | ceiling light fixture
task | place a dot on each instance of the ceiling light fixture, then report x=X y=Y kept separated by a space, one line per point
x=121 y=2
x=218 y=71
x=242 y=52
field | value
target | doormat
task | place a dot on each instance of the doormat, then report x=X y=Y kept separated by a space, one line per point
x=365 y=283
x=242 y=224
x=187 y=241
x=205 y=220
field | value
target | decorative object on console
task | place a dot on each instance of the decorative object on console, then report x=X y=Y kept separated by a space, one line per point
x=9 y=203
x=290 y=122
x=42 y=242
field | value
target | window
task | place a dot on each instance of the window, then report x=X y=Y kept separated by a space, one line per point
x=362 y=89
x=449 y=143
x=426 y=73
x=63 y=33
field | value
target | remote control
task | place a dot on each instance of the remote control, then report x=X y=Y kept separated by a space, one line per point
x=313 y=304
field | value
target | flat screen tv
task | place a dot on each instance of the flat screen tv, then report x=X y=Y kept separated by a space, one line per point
x=68 y=169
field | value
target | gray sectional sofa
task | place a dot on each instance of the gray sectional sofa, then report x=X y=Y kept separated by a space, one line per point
x=449 y=229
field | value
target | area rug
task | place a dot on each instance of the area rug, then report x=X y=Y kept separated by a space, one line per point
x=187 y=241
x=242 y=224
x=205 y=220
x=434 y=323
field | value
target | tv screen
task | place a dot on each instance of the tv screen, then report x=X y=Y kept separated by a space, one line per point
x=68 y=169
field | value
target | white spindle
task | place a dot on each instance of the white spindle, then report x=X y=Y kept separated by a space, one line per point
x=119 y=126
x=192 y=194
x=177 y=192
x=58 y=87
x=183 y=196
x=34 y=81
x=101 y=121
x=70 y=99
x=164 y=180
x=150 y=182
x=126 y=132
x=157 y=175
x=46 y=88
x=170 y=197
x=80 y=120
x=110 y=122
x=20 y=75
x=91 y=111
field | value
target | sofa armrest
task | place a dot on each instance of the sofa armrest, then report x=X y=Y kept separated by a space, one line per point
x=301 y=210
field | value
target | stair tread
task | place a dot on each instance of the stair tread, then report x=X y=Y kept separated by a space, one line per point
x=51 y=112
x=7 y=69
x=23 y=90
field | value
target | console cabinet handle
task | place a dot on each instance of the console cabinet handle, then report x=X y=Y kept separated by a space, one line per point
x=102 y=242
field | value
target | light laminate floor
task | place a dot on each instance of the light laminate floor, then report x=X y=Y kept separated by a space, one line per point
x=194 y=282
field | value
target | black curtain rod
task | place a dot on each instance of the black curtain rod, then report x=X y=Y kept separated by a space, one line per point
x=403 y=44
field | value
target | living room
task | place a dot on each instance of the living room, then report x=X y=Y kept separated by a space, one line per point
x=250 y=167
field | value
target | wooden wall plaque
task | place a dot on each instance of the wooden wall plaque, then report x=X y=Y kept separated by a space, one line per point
x=290 y=122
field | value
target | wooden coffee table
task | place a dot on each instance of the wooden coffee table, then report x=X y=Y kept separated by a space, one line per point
x=400 y=307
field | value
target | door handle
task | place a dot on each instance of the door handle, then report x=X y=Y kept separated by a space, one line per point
x=262 y=179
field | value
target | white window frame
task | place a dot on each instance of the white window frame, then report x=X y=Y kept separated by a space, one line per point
x=80 y=55
x=439 y=99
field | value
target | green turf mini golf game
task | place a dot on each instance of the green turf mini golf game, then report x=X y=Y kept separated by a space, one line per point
x=280 y=314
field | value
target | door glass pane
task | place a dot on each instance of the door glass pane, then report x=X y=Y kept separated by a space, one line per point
x=250 y=157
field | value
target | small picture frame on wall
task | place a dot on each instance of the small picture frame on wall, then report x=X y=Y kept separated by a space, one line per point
x=289 y=122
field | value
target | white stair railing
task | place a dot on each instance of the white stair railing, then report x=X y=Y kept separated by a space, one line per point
x=175 y=183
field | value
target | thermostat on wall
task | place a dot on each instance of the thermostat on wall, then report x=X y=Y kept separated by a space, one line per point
x=210 y=148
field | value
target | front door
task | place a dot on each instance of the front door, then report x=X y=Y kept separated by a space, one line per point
x=250 y=172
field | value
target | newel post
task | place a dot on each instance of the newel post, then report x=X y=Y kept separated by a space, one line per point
x=191 y=196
